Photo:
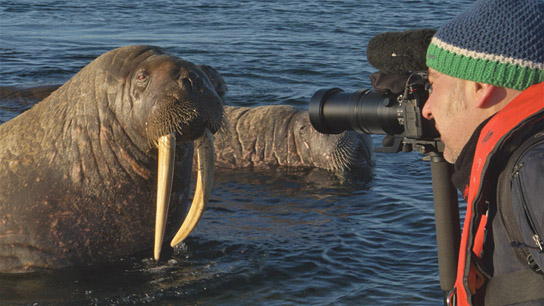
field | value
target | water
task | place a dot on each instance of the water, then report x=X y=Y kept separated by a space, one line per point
x=268 y=238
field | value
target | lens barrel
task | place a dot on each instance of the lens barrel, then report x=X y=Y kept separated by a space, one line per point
x=333 y=111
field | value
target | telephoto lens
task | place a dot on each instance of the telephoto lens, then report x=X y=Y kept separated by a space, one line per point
x=333 y=111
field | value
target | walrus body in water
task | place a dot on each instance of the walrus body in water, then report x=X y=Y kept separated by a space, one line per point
x=78 y=171
x=282 y=136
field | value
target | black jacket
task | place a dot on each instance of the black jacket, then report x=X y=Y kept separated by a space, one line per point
x=523 y=171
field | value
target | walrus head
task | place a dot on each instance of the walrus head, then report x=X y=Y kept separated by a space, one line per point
x=172 y=101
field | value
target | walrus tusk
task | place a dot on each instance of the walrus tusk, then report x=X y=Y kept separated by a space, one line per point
x=165 y=173
x=205 y=163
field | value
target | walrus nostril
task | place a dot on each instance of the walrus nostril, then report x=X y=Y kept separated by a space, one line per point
x=186 y=84
x=193 y=82
x=199 y=84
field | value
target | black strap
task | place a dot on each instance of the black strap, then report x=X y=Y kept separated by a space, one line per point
x=516 y=287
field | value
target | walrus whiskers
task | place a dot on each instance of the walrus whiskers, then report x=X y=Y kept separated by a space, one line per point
x=169 y=117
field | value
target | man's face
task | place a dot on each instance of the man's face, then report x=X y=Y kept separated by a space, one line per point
x=450 y=107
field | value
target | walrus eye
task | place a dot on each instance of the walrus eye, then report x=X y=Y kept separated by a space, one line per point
x=142 y=78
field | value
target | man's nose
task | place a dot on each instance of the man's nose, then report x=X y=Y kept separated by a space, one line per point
x=426 y=111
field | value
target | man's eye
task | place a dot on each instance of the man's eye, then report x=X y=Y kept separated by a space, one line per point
x=429 y=87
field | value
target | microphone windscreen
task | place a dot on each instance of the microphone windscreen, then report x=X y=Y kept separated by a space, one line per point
x=399 y=52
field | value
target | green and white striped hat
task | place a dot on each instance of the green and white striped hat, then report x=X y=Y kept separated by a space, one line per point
x=498 y=42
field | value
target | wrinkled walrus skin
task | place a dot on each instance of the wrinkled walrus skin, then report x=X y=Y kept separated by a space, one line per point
x=280 y=135
x=78 y=170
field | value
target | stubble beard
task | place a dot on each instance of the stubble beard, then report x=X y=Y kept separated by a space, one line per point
x=458 y=104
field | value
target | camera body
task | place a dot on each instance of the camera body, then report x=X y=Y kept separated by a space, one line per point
x=368 y=111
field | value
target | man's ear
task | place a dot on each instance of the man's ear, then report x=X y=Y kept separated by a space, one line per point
x=483 y=94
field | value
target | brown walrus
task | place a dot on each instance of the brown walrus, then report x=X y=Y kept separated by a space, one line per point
x=78 y=171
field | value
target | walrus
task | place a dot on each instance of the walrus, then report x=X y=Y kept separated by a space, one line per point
x=80 y=170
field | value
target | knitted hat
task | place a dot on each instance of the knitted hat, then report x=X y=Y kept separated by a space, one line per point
x=498 y=42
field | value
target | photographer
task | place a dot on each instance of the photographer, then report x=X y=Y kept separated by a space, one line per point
x=486 y=69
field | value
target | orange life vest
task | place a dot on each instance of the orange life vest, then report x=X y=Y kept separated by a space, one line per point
x=526 y=105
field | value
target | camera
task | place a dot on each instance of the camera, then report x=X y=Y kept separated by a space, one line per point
x=369 y=111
